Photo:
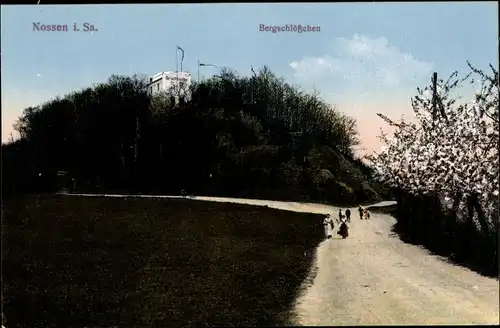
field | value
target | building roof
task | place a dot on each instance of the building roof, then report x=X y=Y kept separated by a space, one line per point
x=158 y=76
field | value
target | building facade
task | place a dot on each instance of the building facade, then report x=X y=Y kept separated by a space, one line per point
x=172 y=83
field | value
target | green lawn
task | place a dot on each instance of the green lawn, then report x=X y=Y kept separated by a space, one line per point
x=104 y=262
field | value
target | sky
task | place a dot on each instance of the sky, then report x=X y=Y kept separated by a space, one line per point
x=366 y=57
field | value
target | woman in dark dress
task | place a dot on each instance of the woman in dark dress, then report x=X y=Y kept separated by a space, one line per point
x=343 y=230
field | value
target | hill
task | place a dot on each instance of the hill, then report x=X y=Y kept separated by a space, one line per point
x=236 y=136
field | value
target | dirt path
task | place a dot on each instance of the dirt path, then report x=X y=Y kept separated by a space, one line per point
x=374 y=278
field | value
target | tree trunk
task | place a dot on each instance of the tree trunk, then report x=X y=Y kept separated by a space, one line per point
x=122 y=155
x=483 y=221
x=470 y=229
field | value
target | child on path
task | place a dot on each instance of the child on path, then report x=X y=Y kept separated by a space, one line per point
x=360 y=210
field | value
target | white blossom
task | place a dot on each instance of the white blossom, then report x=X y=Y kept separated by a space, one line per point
x=447 y=155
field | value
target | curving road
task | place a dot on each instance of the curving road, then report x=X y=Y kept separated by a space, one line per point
x=373 y=278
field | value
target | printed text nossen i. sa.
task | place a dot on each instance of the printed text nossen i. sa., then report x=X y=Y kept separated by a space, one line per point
x=85 y=27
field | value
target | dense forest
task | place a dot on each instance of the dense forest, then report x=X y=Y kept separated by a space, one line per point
x=256 y=137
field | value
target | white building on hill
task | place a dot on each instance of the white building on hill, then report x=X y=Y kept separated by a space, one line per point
x=174 y=83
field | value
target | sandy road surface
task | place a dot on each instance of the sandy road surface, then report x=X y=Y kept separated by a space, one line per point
x=374 y=278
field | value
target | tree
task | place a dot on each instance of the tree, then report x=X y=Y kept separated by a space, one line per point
x=453 y=155
x=116 y=135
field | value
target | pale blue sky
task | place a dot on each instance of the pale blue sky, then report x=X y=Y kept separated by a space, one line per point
x=368 y=57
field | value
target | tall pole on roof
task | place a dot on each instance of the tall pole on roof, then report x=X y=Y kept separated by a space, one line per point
x=176 y=60
x=177 y=67
x=203 y=65
x=182 y=57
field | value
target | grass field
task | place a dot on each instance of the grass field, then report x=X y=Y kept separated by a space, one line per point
x=105 y=262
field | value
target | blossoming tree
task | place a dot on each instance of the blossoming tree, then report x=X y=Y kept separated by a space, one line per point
x=450 y=150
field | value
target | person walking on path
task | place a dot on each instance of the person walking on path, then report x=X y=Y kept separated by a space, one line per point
x=367 y=214
x=360 y=210
x=343 y=230
x=328 y=225
x=340 y=216
x=348 y=215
